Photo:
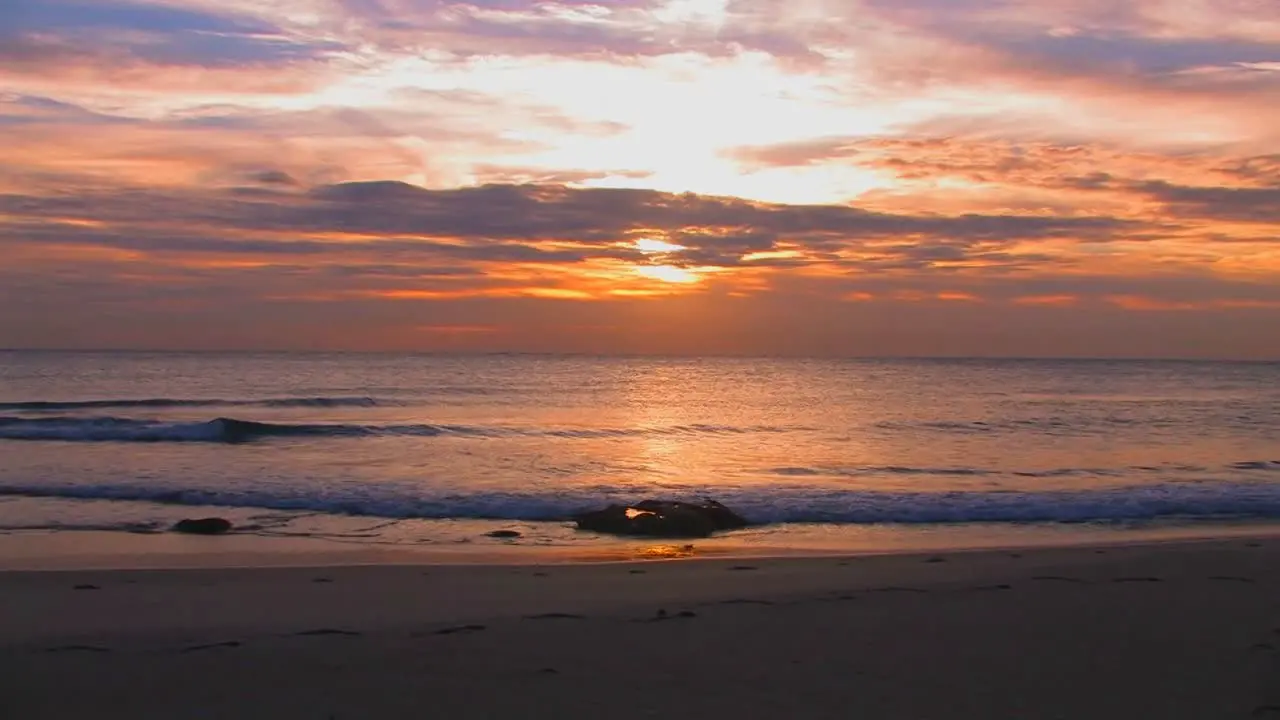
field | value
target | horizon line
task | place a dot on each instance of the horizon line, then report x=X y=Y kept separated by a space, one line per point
x=603 y=356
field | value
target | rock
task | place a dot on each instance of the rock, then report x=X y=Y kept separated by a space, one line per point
x=720 y=516
x=203 y=526
x=661 y=518
x=503 y=534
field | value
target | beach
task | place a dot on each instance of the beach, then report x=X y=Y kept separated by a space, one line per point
x=1168 y=630
x=925 y=538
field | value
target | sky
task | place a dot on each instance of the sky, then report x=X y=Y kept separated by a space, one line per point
x=778 y=177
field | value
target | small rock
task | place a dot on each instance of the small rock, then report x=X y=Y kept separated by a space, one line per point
x=505 y=534
x=203 y=526
x=555 y=616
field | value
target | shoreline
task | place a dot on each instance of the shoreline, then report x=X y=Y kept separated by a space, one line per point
x=45 y=550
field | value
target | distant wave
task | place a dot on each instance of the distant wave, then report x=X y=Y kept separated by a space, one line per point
x=1202 y=500
x=231 y=430
x=875 y=470
x=72 y=405
x=1062 y=426
x=860 y=470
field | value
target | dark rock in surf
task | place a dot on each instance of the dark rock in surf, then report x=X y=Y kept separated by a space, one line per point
x=661 y=518
x=505 y=534
x=203 y=526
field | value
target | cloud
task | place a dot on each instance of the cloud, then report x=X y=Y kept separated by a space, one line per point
x=1209 y=183
x=541 y=212
x=828 y=176
x=123 y=42
x=443 y=138
x=1244 y=204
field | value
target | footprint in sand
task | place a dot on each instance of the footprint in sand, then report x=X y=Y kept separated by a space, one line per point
x=1232 y=578
x=459 y=629
x=212 y=646
x=77 y=648
x=322 y=580
x=934 y=560
x=994 y=587
x=555 y=616
x=86 y=586
x=1137 y=580
x=636 y=572
x=663 y=615
x=323 y=632
x=744 y=567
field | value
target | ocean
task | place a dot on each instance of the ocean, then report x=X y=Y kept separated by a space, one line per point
x=435 y=450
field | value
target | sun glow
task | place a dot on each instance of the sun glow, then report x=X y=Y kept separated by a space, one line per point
x=651 y=246
x=667 y=273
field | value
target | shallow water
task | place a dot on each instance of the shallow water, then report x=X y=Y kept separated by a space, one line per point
x=400 y=448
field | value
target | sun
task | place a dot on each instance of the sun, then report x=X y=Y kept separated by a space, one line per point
x=667 y=273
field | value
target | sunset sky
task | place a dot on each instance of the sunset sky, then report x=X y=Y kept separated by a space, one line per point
x=813 y=177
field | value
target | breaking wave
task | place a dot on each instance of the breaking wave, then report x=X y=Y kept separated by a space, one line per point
x=231 y=430
x=796 y=504
x=304 y=402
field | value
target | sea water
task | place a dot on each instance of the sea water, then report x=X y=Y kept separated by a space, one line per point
x=432 y=450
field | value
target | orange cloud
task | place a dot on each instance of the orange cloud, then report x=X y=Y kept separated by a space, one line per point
x=1047 y=300
x=1139 y=303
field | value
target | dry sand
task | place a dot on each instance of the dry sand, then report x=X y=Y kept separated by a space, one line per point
x=1185 y=630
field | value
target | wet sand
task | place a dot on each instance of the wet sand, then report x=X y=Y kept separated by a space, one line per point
x=1186 y=630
